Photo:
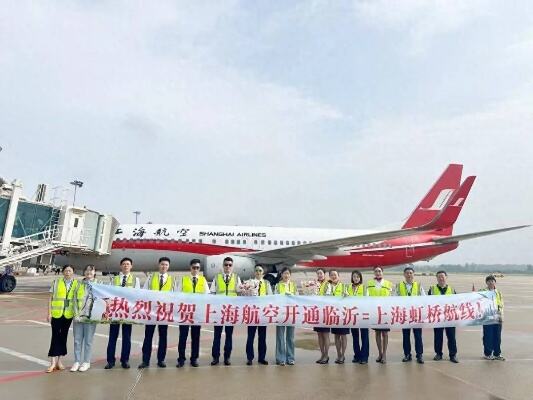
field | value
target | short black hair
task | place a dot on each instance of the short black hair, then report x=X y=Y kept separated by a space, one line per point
x=227 y=259
x=408 y=269
x=442 y=272
x=164 y=259
x=67 y=266
x=89 y=267
x=490 y=278
x=126 y=259
x=359 y=274
x=195 y=261
x=376 y=267
x=285 y=269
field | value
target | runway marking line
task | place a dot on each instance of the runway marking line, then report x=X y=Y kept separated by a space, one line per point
x=23 y=356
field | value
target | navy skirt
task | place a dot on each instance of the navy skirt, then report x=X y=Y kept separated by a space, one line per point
x=322 y=330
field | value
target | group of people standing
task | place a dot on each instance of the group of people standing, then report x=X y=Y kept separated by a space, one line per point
x=68 y=295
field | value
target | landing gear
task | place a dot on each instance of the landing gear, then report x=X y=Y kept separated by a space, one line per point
x=7 y=283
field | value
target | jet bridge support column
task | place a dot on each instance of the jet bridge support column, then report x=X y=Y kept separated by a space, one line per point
x=11 y=216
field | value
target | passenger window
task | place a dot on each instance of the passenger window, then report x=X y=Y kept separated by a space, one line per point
x=255 y=241
x=214 y=241
x=299 y=243
x=244 y=241
x=287 y=242
x=232 y=241
x=226 y=241
x=293 y=242
x=238 y=241
x=194 y=240
x=269 y=242
x=199 y=240
x=262 y=242
x=275 y=242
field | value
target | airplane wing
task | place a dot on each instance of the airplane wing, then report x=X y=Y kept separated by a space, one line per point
x=333 y=247
x=458 y=238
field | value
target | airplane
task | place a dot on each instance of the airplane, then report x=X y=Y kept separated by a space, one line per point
x=427 y=233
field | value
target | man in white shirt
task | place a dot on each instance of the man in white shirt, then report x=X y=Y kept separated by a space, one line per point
x=193 y=283
x=225 y=284
x=124 y=279
x=164 y=282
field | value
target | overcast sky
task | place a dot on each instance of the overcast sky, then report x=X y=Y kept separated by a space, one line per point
x=312 y=114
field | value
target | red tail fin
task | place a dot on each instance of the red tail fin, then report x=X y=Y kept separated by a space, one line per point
x=444 y=222
x=438 y=196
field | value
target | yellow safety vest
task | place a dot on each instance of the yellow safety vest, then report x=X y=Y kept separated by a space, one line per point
x=436 y=291
x=263 y=288
x=187 y=286
x=230 y=289
x=167 y=286
x=323 y=288
x=415 y=289
x=280 y=286
x=359 y=290
x=62 y=303
x=337 y=290
x=80 y=292
x=374 y=291
x=130 y=282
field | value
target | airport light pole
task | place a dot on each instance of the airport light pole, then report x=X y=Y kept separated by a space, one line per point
x=77 y=184
x=137 y=213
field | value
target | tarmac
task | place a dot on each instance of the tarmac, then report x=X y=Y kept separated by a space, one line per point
x=25 y=338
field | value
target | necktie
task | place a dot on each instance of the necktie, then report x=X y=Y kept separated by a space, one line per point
x=160 y=282
x=194 y=279
x=259 y=289
x=226 y=281
x=124 y=281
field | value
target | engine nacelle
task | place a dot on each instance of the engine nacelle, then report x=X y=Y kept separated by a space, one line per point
x=242 y=266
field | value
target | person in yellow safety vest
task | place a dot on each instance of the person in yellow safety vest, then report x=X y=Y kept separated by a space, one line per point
x=380 y=287
x=323 y=331
x=338 y=289
x=443 y=289
x=164 y=282
x=83 y=331
x=264 y=289
x=60 y=314
x=492 y=334
x=125 y=279
x=285 y=334
x=409 y=287
x=196 y=284
x=224 y=284
x=360 y=350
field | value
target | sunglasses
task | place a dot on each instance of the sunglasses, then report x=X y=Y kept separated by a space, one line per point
x=228 y=265
x=195 y=267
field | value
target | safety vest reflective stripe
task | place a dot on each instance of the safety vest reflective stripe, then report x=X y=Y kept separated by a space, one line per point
x=374 y=290
x=80 y=292
x=435 y=290
x=187 y=286
x=154 y=283
x=62 y=303
x=117 y=281
x=359 y=290
x=415 y=289
x=232 y=285
x=281 y=288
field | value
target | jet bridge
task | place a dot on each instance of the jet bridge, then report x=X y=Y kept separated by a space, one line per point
x=33 y=231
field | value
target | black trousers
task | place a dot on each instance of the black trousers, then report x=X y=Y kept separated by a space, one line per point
x=228 y=343
x=195 y=342
x=439 y=336
x=58 y=343
x=147 y=342
x=492 y=339
x=360 y=349
x=261 y=342
x=419 y=346
x=114 y=330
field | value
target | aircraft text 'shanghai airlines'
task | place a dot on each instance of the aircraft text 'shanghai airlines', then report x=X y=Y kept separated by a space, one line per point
x=426 y=233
